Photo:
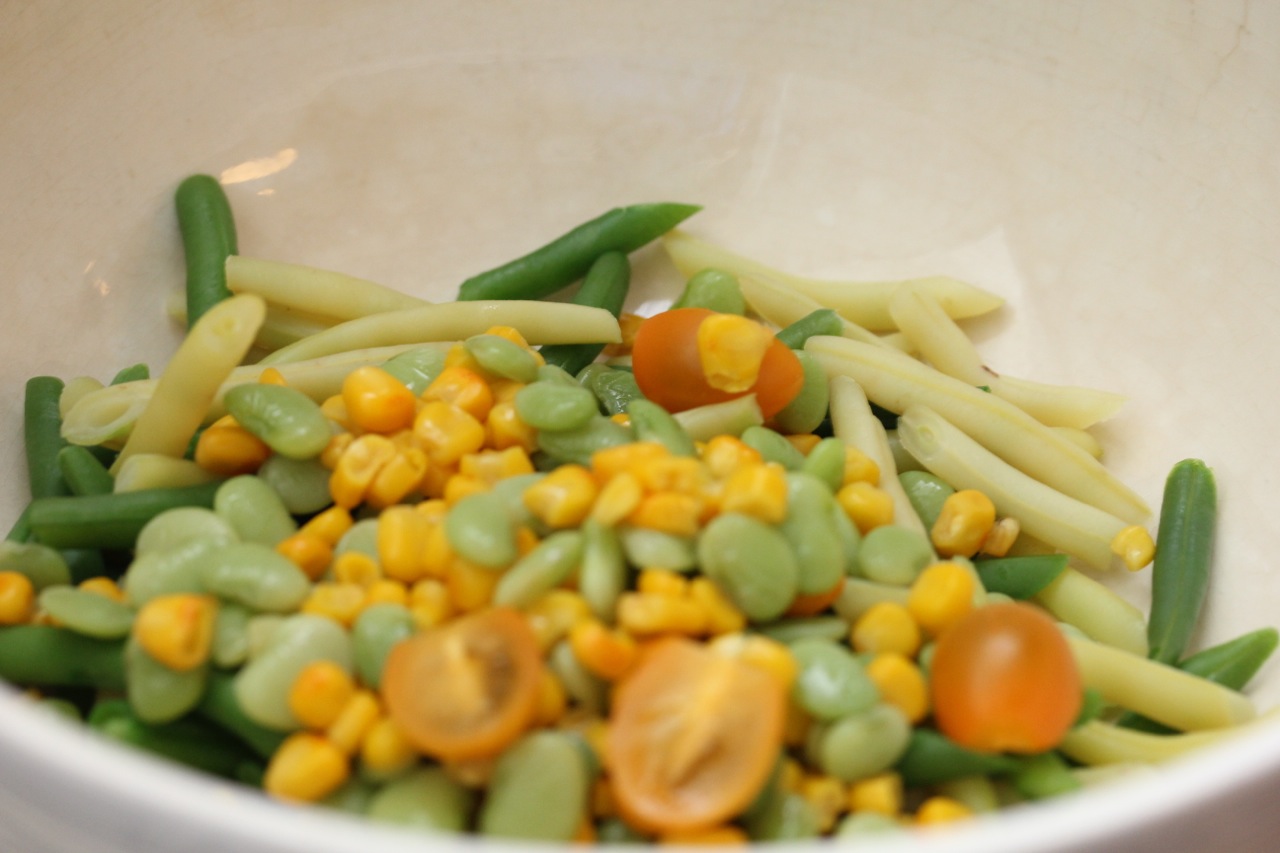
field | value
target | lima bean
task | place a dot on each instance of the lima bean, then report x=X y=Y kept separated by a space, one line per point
x=554 y=406
x=480 y=529
x=255 y=576
x=503 y=357
x=416 y=368
x=551 y=562
x=87 y=613
x=826 y=462
x=376 y=630
x=156 y=693
x=810 y=529
x=182 y=525
x=773 y=447
x=808 y=408
x=894 y=555
x=751 y=562
x=538 y=791
x=425 y=798
x=41 y=565
x=863 y=744
x=603 y=574
x=302 y=484
x=262 y=686
x=651 y=422
x=288 y=421
x=657 y=549
x=166 y=572
x=831 y=682
x=254 y=510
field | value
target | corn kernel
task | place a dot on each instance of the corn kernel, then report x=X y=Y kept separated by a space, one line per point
x=341 y=602
x=725 y=454
x=827 y=797
x=940 y=596
x=1001 y=537
x=103 y=586
x=683 y=474
x=386 y=750
x=447 y=432
x=17 y=598
x=662 y=582
x=354 y=721
x=319 y=693
x=1134 y=547
x=938 y=809
x=177 y=630
x=470 y=586
x=376 y=401
x=332 y=453
x=722 y=834
x=617 y=499
x=670 y=512
x=437 y=554
x=464 y=388
x=628 y=324
x=430 y=603
x=563 y=498
x=759 y=651
x=966 y=518
x=306 y=768
x=552 y=699
x=859 y=467
x=460 y=486
x=504 y=427
x=230 y=451
x=356 y=567
x=402 y=541
x=723 y=617
x=606 y=654
x=335 y=409
x=631 y=458
x=731 y=350
x=886 y=626
x=490 y=466
x=309 y=553
x=330 y=525
x=399 y=478
x=881 y=794
x=901 y=684
x=803 y=442
x=866 y=505
x=386 y=591
x=553 y=616
x=356 y=468
x=759 y=491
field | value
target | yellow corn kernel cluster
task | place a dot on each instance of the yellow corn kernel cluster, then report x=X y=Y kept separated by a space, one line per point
x=881 y=794
x=901 y=683
x=177 y=630
x=17 y=598
x=940 y=810
x=886 y=627
x=668 y=603
x=966 y=518
x=227 y=449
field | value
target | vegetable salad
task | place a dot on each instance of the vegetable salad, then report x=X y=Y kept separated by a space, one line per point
x=782 y=561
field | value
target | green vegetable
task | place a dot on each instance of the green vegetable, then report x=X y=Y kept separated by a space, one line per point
x=651 y=422
x=208 y=237
x=46 y=656
x=42 y=436
x=1184 y=549
x=83 y=473
x=606 y=284
x=614 y=388
x=931 y=758
x=108 y=521
x=192 y=742
x=287 y=420
x=567 y=258
x=714 y=289
x=823 y=321
x=1020 y=577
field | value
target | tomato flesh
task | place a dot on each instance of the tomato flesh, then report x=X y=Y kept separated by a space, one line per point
x=693 y=736
x=1003 y=679
x=668 y=367
x=465 y=689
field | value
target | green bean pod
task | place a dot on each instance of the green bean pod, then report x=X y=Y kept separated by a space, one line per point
x=932 y=758
x=220 y=706
x=208 y=237
x=48 y=656
x=42 y=436
x=1020 y=577
x=189 y=741
x=83 y=472
x=567 y=258
x=823 y=321
x=132 y=373
x=108 y=521
x=605 y=286
x=288 y=421
x=1043 y=776
x=1184 y=552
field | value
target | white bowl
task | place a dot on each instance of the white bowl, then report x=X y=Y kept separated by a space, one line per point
x=1113 y=169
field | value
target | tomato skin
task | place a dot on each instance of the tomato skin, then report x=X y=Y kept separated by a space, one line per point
x=693 y=736
x=668 y=369
x=467 y=688
x=1003 y=679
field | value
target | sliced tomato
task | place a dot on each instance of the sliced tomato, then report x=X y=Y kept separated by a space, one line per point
x=1003 y=679
x=693 y=736
x=467 y=688
x=668 y=367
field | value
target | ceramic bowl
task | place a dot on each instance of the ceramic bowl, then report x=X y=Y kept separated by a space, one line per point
x=1112 y=169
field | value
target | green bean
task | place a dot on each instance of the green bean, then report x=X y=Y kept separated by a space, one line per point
x=830 y=628
x=502 y=357
x=978 y=793
x=893 y=555
x=751 y=562
x=614 y=388
x=539 y=790
x=1020 y=577
x=302 y=484
x=42 y=436
x=48 y=656
x=83 y=473
x=826 y=462
x=1043 y=776
x=1232 y=664
x=557 y=375
x=376 y=630
x=823 y=321
x=21 y=529
x=657 y=549
x=552 y=407
x=287 y=420
x=651 y=422
x=551 y=562
x=479 y=529
x=809 y=527
x=208 y=237
x=132 y=373
x=254 y=575
x=567 y=258
x=425 y=798
x=189 y=741
x=577 y=445
x=862 y=744
x=157 y=693
x=603 y=574
x=605 y=286
x=220 y=706
x=1184 y=548
x=932 y=758
x=254 y=510
x=262 y=686
x=927 y=493
x=773 y=447
x=808 y=408
x=41 y=565
x=108 y=521
x=417 y=368
x=831 y=682
x=88 y=613
x=714 y=289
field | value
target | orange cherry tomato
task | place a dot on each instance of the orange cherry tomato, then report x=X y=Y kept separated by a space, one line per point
x=1004 y=680
x=815 y=602
x=693 y=736
x=668 y=368
x=467 y=688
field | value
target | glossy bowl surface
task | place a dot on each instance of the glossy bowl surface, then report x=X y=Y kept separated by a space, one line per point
x=1112 y=169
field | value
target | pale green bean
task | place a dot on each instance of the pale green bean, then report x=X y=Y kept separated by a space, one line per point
x=254 y=575
x=551 y=562
x=603 y=574
x=538 y=791
x=831 y=682
x=302 y=484
x=425 y=799
x=893 y=555
x=376 y=630
x=480 y=529
x=751 y=562
x=287 y=420
x=863 y=744
x=156 y=693
x=657 y=549
x=89 y=613
x=254 y=510
x=262 y=686
x=167 y=572
x=181 y=526
x=503 y=357
x=809 y=528
x=40 y=564
x=555 y=407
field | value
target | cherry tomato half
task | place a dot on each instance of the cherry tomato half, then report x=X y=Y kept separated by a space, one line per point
x=1004 y=679
x=668 y=368
x=693 y=736
x=467 y=688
